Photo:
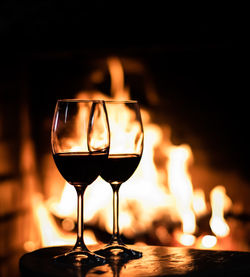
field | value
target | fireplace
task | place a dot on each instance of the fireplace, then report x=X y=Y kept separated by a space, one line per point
x=193 y=177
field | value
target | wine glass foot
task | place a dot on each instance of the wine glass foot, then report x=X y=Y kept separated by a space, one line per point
x=80 y=258
x=119 y=251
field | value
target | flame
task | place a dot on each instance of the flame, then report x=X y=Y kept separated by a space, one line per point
x=199 y=202
x=51 y=234
x=118 y=90
x=219 y=202
x=66 y=207
x=186 y=239
x=181 y=186
x=142 y=194
x=145 y=196
x=209 y=241
x=120 y=122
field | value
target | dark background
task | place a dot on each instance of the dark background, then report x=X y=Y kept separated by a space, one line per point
x=194 y=54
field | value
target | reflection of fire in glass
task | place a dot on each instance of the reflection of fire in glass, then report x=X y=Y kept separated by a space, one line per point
x=151 y=200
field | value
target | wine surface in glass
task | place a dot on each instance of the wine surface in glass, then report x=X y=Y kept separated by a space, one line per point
x=80 y=168
x=119 y=167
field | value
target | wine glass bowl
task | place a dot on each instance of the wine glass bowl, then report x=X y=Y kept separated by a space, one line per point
x=80 y=142
x=126 y=147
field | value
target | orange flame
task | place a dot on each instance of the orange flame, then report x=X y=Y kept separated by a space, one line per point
x=219 y=202
x=118 y=91
x=144 y=197
x=181 y=186
x=209 y=241
x=51 y=234
x=199 y=202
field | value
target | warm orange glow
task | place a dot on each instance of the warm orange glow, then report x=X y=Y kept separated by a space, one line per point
x=187 y=239
x=118 y=91
x=144 y=191
x=218 y=202
x=51 y=234
x=199 y=202
x=181 y=186
x=145 y=197
x=209 y=241
x=66 y=207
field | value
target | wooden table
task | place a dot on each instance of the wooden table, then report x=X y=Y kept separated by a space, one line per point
x=156 y=261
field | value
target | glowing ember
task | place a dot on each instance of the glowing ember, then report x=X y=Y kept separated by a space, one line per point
x=209 y=241
x=187 y=239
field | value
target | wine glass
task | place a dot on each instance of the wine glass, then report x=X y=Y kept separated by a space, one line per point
x=126 y=146
x=80 y=141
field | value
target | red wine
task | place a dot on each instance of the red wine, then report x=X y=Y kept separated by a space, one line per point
x=79 y=168
x=120 y=167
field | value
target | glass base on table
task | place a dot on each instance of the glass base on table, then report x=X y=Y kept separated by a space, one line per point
x=80 y=258
x=119 y=251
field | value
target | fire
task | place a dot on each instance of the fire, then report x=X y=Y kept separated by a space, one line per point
x=66 y=207
x=117 y=81
x=209 y=241
x=185 y=239
x=199 y=202
x=51 y=234
x=219 y=203
x=181 y=186
x=145 y=197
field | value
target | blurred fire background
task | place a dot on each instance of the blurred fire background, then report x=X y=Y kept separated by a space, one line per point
x=191 y=80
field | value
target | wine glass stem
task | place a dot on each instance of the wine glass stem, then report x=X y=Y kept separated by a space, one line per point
x=116 y=235
x=80 y=245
